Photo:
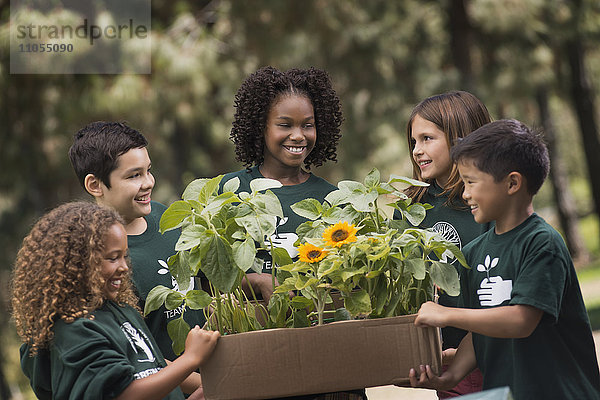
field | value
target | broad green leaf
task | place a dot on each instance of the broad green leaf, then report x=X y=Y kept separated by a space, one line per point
x=178 y=330
x=310 y=229
x=337 y=214
x=358 y=302
x=268 y=203
x=192 y=191
x=190 y=237
x=244 y=253
x=364 y=202
x=209 y=189
x=352 y=186
x=281 y=256
x=338 y=197
x=341 y=314
x=215 y=204
x=179 y=267
x=308 y=208
x=173 y=300
x=156 y=298
x=258 y=227
x=372 y=179
x=415 y=214
x=416 y=267
x=197 y=299
x=300 y=319
x=445 y=276
x=408 y=181
x=232 y=185
x=300 y=302
x=218 y=264
x=260 y=184
x=174 y=215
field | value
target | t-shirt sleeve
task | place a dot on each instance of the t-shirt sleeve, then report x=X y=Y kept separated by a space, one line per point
x=88 y=365
x=541 y=281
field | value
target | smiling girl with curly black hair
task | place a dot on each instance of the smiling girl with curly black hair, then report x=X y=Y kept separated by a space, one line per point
x=75 y=309
x=285 y=123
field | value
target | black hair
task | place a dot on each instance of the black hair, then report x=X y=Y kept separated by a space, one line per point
x=504 y=146
x=97 y=146
x=259 y=92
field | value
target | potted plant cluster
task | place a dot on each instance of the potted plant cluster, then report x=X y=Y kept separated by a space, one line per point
x=350 y=246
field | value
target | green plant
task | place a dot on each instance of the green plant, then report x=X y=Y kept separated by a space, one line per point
x=221 y=232
x=381 y=266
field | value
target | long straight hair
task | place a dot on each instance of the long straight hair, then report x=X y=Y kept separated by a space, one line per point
x=457 y=114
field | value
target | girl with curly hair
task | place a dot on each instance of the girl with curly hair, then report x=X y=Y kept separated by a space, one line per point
x=285 y=123
x=75 y=309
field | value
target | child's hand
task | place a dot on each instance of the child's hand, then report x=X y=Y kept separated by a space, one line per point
x=427 y=379
x=200 y=344
x=448 y=356
x=431 y=314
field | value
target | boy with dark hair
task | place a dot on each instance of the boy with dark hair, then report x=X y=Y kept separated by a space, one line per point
x=523 y=305
x=113 y=165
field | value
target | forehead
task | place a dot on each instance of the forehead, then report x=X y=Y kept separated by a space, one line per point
x=421 y=125
x=115 y=237
x=291 y=103
x=467 y=167
x=133 y=158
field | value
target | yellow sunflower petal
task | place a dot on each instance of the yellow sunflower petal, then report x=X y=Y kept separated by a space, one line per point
x=340 y=234
x=310 y=253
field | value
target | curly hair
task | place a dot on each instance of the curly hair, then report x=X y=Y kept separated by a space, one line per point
x=457 y=114
x=262 y=89
x=57 y=271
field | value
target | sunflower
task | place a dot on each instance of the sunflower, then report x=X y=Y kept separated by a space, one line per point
x=339 y=234
x=310 y=253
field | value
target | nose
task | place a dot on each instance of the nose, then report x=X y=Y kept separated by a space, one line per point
x=296 y=134
x=148 y=181
x=417 y=150
x=465 y=194
x=123 y=267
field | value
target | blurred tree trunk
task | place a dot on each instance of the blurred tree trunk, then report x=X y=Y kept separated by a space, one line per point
x=461 y=40
x=565 y=205
x=583 y=98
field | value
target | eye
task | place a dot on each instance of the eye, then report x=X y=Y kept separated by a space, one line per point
x=426 y=138
x=309 y=125
x=137 y=174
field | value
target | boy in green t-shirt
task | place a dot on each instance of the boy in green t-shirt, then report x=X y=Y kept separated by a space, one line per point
x=113 y=165
x=528 y=326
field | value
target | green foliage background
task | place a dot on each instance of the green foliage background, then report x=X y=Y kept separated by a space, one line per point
x=383 y=57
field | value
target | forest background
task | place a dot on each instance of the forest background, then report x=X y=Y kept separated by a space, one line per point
x=534 y=60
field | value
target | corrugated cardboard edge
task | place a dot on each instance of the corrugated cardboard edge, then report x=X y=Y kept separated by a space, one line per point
x=339 y=356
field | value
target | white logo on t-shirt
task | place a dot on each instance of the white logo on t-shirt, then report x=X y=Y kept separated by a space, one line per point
x=285 y=240
x=165 y=270
x=448 y=232
x=139 y=341
x=494 y=290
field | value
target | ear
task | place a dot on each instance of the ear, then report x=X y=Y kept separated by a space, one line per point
x=515 y=182
x=93 y=185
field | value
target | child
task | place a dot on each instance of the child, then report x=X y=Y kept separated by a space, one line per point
x=113 y=165
x=285 y=123
x=529 y=327
x=76 y=311
x=434 y=126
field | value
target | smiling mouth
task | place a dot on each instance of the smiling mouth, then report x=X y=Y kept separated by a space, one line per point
x=295 y=149
x=144 y=198
x=115 y=283
x=424 y=163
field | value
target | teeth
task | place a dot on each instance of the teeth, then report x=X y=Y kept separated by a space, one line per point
x=143 y=198
x=424 y=162
x=295 y=149
x=116 y=282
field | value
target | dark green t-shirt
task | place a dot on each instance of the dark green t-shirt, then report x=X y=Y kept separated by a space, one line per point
x=531 y=265
x=285 y=235
x=95 y=359
x=457 y=225
x=149 y=253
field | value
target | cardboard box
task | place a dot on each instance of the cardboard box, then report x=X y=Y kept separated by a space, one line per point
x=338 y=356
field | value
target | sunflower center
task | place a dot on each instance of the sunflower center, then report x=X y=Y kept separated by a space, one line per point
x=313 y=254
x=339 y=235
